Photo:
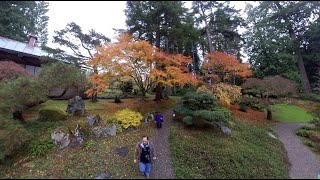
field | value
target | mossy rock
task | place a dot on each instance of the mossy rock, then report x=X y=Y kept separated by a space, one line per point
x=85 y=128
x=51 y=114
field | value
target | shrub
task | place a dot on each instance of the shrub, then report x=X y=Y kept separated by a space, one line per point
x=182 y=110
x=187 y=120
x=201 y=106
x=225 y=93
x=185 y=90
x=276 y=86
x=311 y=97
x=20 y=93
x=302 y=133
x=309 y=143
x=126 y=87
x=38 y=148
x=211 y=116
x=254 y=103
x=112 y=120
x=12 y=70
x=13 y=137
x=51 y=114
x=126 y=117
x=204 y=89
x=61 y=75
x=199 y=101
x=243 y=107
x=225 y=111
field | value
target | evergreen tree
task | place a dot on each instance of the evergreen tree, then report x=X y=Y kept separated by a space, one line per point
x=19 y=19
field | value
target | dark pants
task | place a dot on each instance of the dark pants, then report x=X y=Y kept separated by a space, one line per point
x=159 y=125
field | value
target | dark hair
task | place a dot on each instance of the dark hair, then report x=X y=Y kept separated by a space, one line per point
x=146 y=137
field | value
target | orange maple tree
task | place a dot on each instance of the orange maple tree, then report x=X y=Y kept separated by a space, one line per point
x=131 y=58
x=220 y=66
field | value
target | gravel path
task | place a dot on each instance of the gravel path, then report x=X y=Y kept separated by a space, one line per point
x=304 y=163
x=162 y=167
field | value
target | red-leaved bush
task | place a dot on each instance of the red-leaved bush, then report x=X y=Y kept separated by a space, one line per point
x=270 y=86
x=10 y=69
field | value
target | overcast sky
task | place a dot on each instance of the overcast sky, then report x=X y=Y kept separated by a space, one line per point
x=101 y=16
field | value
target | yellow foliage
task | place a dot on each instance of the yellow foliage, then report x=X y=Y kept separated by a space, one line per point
x=225 y=93
x=126 y=117
x=203 y=88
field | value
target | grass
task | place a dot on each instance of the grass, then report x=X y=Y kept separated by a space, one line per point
x=290 y=113
x=305 y=134
x=248 y=153
x=95 y=156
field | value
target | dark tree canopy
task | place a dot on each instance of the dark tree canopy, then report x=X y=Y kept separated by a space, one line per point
x=19 y=19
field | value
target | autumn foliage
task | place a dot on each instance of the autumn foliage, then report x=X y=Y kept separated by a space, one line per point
x=131 y=58
x=270 y=86
x=127 y=117
x=226 y=94
x=10 y=69
x=220 y=66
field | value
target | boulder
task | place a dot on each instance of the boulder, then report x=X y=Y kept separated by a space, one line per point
x=51 y=114
x=105 y=175
x=93 y=120
x=77 y=134
x=105 y=131
x=98 y=131
x=74 y=143
x=112 y=130
x=225 y=130
x=76 y=106
x=122 y=151
x=60 y=139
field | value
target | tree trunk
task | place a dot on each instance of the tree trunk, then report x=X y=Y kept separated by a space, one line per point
x=159 y=95
x=303 y=75
x=207 y=30
x=269 y=114
x=167 y=92
x=18 y=116
x=159 y=85
x=94 y=97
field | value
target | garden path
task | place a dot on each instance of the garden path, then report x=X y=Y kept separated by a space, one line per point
x=304 y=164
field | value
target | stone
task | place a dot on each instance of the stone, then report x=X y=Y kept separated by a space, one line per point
x=111 y=131
x=98 y=131
x=76 y=106
x=51 y=114
x=122 y=151
x=77 y=134
x=60 y=139
x=74 y=143
x=105 y=131
x=105 y=175
x=271 y=135
x=225 y=130
x=91 y=120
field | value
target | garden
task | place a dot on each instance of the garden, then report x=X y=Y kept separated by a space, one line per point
x=81 y=114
